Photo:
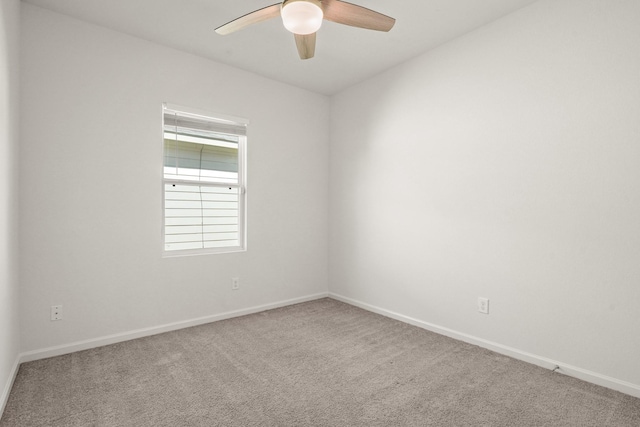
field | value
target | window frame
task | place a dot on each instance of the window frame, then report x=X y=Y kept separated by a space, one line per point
x=241 y=184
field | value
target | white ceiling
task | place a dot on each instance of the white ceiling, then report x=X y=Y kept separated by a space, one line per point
x=344 y=55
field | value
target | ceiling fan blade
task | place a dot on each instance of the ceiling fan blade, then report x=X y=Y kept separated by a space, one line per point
x=250 y=19
x=306 y=45
x=356 y=16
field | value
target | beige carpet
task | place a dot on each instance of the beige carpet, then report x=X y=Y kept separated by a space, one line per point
x=322 y=363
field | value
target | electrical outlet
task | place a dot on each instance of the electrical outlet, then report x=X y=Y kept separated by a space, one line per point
x=483 y=305
x=56 y=312
x=235 y=283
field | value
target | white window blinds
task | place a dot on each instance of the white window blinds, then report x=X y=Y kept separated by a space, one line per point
x=204 y=193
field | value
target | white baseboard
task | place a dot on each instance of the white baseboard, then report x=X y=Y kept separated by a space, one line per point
x=4 y=397
x=139 y=333
x=583 y=374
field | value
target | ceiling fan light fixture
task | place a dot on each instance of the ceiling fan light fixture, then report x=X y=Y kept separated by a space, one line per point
x=302 y=16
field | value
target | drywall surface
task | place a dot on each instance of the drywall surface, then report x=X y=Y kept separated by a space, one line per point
x=9 y=92
x=505 y=165
x=91 y=183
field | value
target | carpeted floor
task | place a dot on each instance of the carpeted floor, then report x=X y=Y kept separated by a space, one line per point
x=322 y=363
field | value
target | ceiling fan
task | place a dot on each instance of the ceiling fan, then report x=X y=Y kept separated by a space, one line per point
x=304 y=18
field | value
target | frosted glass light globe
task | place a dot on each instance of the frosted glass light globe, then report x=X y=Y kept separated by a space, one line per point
x=302 y=17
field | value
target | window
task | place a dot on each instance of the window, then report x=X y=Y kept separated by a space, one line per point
x=204 y=185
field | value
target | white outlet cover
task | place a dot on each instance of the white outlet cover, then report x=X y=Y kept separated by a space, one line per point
x=56 y=312
x=483 y=305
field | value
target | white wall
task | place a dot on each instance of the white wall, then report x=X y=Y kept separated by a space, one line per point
x=505 y=164
x=9 y=91
x=91 y=185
